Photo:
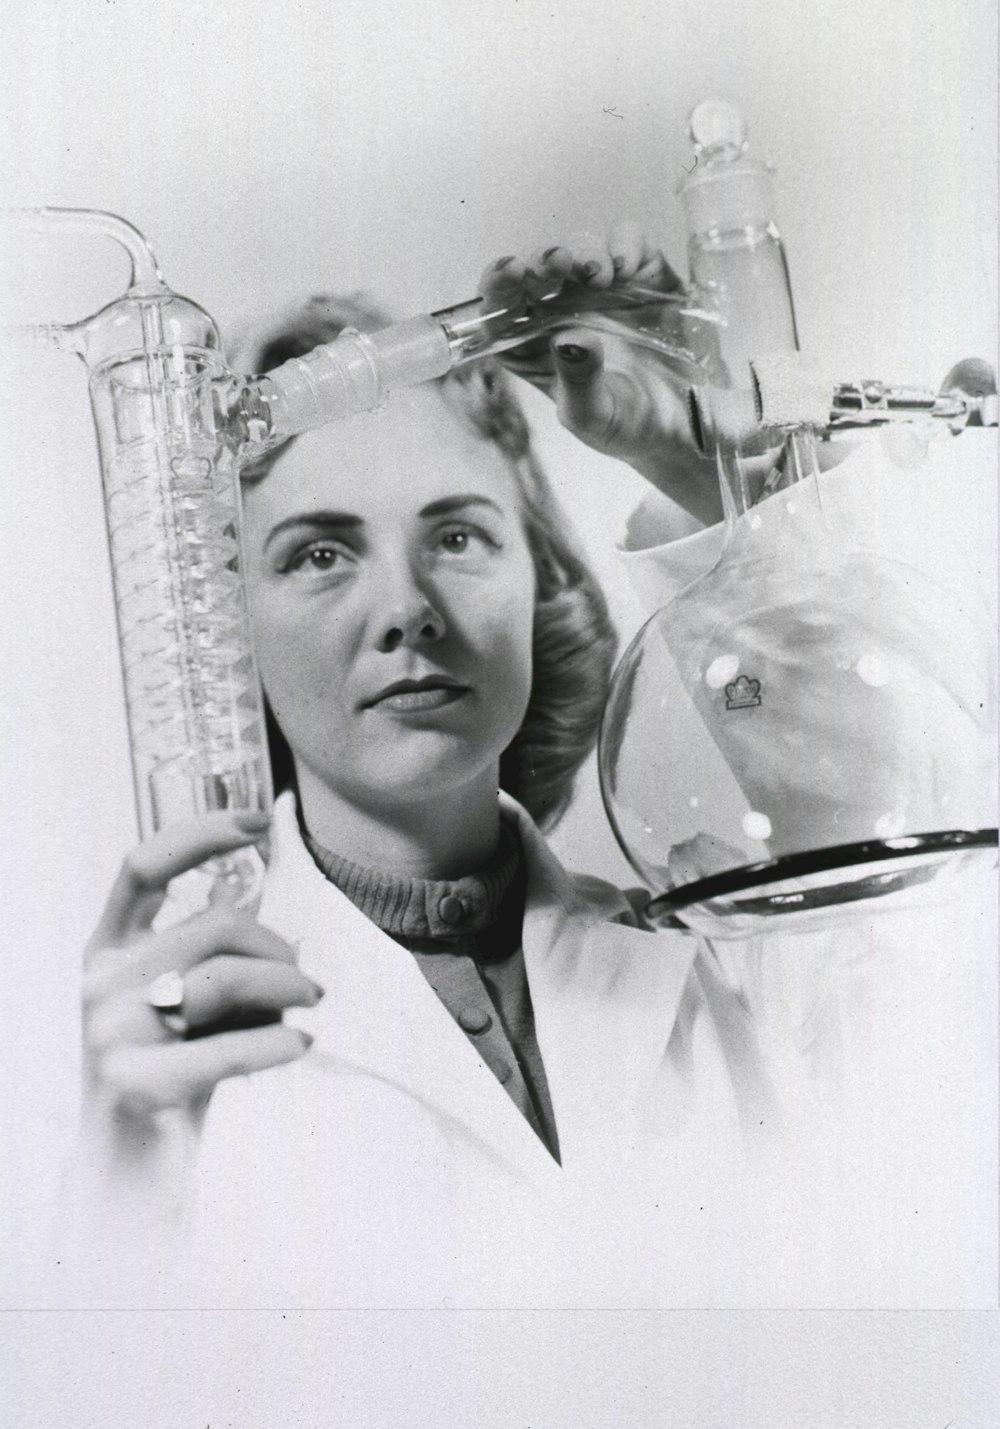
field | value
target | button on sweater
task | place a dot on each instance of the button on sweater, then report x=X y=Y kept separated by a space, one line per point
x=465 y=936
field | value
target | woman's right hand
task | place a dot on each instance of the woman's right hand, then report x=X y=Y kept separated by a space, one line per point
x=237 y=975
x=616 y=397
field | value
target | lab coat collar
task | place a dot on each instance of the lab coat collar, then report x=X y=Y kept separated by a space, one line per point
x=605 y=998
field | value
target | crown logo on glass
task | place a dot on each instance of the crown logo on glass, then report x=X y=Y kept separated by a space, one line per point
x=742 y=694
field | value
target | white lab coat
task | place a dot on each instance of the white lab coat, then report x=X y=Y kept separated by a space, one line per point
x=389 y=1167
x=711 y=1154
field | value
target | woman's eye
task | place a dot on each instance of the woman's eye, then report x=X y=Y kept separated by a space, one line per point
x=459 y=540
x=320 y=558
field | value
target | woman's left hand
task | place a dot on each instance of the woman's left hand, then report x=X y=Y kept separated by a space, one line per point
x=614 y=395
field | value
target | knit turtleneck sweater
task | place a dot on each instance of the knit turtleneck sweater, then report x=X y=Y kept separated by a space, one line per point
x=465 y=936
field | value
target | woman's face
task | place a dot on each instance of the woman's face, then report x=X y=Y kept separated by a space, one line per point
x=392 y=594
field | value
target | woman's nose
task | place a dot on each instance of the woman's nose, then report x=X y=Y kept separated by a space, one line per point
x=407 y=615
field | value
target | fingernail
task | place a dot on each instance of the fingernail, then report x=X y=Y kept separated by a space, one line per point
x=307 y=1040
x=251 y=821
x=570 y=352
x=318 y=991
x=618 y=264
x=549 y=251
x=502 y=262
x=590 y=270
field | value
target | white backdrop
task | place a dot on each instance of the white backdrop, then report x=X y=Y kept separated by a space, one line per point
x=268 y=150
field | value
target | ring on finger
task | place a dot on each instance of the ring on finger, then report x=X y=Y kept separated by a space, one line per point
x=165 y=995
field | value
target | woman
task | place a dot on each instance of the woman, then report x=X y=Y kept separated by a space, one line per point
x=495 y=1085
x=426 y=633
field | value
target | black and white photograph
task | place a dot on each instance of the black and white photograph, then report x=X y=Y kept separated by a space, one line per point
x=500 y=715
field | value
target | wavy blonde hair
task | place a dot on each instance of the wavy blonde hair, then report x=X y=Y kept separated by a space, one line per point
x=574 y=642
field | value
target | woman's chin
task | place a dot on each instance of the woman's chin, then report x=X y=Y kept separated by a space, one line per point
x=450 y=776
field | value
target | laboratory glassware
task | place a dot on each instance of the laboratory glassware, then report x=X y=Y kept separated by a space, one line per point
x=170 y=467
x=736 y=255
x=357 y=371
x=175 y=426
x=842 y=705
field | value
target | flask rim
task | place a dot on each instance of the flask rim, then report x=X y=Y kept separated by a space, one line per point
x=821 y=860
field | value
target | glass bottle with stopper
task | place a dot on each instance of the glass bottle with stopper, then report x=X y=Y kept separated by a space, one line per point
x=736 y=255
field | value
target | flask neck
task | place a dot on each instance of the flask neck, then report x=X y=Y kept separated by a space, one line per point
x=772 y=499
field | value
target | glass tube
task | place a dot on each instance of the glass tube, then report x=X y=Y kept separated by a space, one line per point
x=170 y=458
x=356 y=372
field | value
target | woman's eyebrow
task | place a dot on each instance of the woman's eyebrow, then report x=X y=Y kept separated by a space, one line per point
x=322 y=520
x=447 y=504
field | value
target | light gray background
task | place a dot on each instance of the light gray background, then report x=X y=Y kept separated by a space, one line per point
x=272 y=149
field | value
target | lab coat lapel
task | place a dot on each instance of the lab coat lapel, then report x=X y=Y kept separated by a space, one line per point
x=379 y=1014
x=605 y=999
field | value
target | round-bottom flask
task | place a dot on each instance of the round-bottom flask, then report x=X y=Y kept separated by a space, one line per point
x=806 y=731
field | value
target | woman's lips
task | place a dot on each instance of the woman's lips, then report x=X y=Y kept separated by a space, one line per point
x=416 y=695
